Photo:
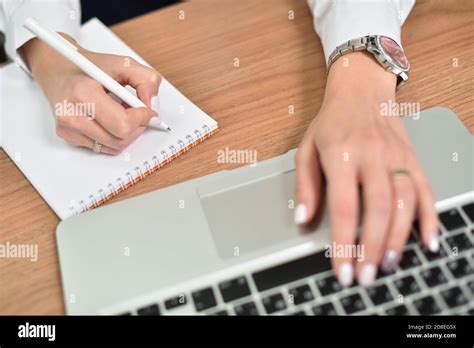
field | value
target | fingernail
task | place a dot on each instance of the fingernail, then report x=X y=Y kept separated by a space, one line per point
x=390 y=261
x=155 y=121
x=346 y=274
x=301 y=214
x=155 y=103
x=434 y=243
x=367 y=275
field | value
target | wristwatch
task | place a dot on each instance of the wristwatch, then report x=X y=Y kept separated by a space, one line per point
x=387 y=52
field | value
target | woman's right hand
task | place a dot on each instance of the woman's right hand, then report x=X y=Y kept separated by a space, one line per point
x=83 y=110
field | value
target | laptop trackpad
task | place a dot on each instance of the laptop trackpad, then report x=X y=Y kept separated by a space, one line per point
x=252 y=215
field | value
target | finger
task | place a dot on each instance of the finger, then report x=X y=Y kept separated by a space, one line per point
x=81 y=140
x=426 y=211
x=308 y=183
x=402 y=220
x=376 y=189
x=140 y=117
x=95 y=131
x=343 y=213
x=116 y=119
x=145 y=80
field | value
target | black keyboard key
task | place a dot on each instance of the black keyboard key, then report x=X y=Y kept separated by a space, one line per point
x=452 y=220
x=469 y=210
x=454 y=297
x=234 y=289
x=204 y=299
x=397 y=310
x=379 y=294
x=149 y=310
x=459 y=267
x=125 y=314
x=301 y=294
x=291 y=271
x=413 y=237
x=381 y=274
x=299 y=313
x=459 y=242
x=328 y=285
x=325 y=309
x=352 y=303
x=426 y=306
x=430 y=256
x=407 y=285
x=175 y=302
x=409 y=259
x=246 y=309
x=433 y=276
x=470 y=285
x=274 y=303
x=220 y=313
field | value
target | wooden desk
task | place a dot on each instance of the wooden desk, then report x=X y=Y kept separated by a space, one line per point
x=281 y=64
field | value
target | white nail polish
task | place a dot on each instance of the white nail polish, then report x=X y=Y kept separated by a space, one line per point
x=301 y=214
x=155 y=122
x=434 y=243
x=155 y=103
x=390 y=261
x=367 y=275
x=346 y=274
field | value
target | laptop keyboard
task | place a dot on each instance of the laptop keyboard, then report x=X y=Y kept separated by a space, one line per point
x=425 y=283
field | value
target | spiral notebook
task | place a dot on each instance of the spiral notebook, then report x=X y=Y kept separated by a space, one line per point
x=72 y=179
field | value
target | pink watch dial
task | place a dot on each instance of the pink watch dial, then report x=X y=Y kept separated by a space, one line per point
x=394 y=51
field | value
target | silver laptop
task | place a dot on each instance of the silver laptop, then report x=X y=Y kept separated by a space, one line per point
x=226 y=244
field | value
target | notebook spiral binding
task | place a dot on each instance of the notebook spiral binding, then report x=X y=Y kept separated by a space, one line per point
x=139 y=173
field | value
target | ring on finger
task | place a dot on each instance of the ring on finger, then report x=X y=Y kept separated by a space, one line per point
x=399 y=171
x=97 y=147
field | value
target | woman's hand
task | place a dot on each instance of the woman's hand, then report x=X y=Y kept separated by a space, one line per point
x=354 y=146
x=84 y=112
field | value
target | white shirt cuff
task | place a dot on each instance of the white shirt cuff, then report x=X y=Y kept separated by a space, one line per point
x=337 y=21
x=59 y=16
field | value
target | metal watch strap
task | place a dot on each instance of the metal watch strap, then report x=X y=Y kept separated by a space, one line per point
x=353 y=45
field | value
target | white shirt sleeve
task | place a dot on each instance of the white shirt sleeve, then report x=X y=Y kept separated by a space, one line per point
x=337 y=21
x=58 y=15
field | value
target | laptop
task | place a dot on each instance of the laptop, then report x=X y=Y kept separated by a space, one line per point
x=226 y=244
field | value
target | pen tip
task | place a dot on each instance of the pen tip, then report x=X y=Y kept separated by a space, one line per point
x=168 y=129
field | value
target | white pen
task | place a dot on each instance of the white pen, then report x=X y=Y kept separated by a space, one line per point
x=70 y=52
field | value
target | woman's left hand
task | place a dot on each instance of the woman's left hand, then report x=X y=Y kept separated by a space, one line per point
x=353 y=145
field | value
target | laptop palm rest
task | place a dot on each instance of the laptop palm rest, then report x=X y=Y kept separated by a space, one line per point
x=251 y=216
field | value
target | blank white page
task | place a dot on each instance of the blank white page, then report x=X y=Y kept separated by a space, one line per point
x=66 y=175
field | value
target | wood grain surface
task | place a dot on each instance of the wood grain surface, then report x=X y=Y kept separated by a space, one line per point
x=281 y=64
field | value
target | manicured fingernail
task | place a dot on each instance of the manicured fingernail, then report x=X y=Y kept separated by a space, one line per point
x=433 y=244
x=301 y=214
x=346 y=274
x=390 y=261
x=155 y=121
x=155 y=103
x=367 y=275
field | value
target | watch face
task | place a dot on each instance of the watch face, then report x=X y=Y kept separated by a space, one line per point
x=394 y=51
